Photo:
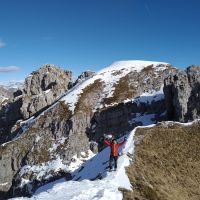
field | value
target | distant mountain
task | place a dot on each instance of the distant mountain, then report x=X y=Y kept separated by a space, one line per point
x=13 y=84
x=7 y=90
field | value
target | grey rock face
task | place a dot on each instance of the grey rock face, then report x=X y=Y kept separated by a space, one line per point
x=40 y=144
x=182 y=94
x=122 y=118
x=9 y=115
x=83 y=76
x=43 y=87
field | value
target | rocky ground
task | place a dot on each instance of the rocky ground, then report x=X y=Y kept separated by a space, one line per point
x=166 y=164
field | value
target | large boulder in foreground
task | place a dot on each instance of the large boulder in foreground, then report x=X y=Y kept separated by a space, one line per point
x=182 y=94
x=166 y=163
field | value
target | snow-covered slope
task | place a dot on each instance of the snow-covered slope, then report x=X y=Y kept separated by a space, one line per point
x=87 y=182
x=92 y=180
x=109 y=76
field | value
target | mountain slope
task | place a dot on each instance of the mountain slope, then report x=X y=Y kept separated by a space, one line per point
x=115 y=100
x=109 y=79
x=92 y=180
x=163 y=166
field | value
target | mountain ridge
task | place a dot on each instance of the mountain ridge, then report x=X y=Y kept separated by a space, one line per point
x=114 y=100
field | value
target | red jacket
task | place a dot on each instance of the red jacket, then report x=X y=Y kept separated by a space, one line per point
x=114 y=147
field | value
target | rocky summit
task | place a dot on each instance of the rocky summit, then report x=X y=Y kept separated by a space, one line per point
x=54 y=124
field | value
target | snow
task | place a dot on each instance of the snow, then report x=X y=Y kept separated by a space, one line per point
x=109 y=76
x=52 y=166
x=47 y=91
x=2 y=98
x=150 y=97
x=136 y=65
x=4 y=184
x=83 y=186
x=145 y=119
x=86 y=184
x=57 y=143
x=25 y=125
x=168 y=123
x=37 y=138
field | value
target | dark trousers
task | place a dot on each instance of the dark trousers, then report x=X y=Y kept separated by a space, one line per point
x=113 y=158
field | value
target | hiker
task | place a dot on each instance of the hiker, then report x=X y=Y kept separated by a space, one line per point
x=114 y=146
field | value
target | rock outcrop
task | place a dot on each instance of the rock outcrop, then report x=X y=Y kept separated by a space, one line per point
x=43 y=87
x=182 y=94
x=84 y=76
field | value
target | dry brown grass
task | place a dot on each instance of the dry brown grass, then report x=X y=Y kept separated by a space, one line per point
x=167 y=163
x=148 y=69
x=85 y=101
x=123 y=90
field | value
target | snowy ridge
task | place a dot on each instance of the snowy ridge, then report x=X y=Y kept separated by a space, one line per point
x=109 y=76
x=92 y=180
x=134 y=65
x=83 y=188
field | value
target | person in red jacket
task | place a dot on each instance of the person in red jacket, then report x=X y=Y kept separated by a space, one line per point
x=114 y=153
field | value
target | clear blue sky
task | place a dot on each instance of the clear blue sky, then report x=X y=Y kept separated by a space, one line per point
x=91 y=34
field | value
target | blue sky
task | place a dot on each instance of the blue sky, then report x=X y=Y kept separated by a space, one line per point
x=91 y=34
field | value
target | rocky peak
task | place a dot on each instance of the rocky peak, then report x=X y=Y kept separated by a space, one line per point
x=193 y=73
x=48 y=77
x=83 y=76
x=43 y=87
x=182 y=94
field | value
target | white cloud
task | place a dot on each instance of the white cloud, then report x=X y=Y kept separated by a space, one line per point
x=2 y=43
x=9 y=69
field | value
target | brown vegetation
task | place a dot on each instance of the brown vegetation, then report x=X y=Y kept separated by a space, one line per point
x=87 y=97
x=166 y=165
x=123 y=90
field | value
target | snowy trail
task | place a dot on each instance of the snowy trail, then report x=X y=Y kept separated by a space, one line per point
x=86 y=183
x=85 y=188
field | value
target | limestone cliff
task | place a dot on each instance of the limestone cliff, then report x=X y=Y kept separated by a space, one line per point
x=182 y=94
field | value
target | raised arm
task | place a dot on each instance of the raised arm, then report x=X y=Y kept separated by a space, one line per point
x=121 y=143
x=106 y=142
